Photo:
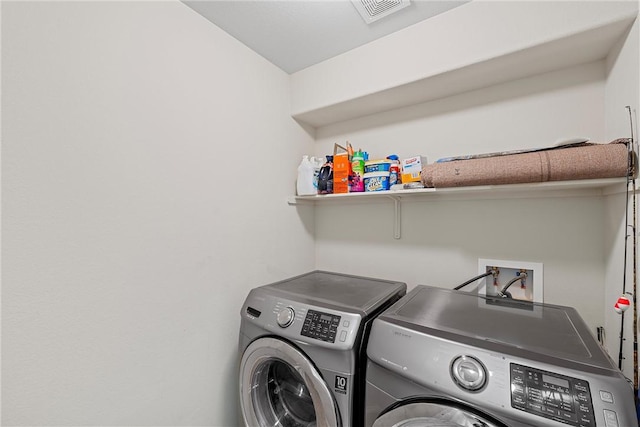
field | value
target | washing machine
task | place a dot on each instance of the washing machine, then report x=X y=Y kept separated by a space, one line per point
x=302 y=349
x=441 y=357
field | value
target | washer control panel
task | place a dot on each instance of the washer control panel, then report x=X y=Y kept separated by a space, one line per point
x=321 y=326
x=302 y=322
x=550 y=395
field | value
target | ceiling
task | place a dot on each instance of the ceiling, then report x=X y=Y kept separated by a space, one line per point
x=295 y=34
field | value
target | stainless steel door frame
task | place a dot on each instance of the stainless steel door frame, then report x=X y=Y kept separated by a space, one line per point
x=268 y=351
x=432 y=414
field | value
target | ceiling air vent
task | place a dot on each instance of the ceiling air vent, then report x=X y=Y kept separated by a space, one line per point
x=372 y=10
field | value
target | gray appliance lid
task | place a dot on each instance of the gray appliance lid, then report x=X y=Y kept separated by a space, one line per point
x=352 y=292
x=542 y=329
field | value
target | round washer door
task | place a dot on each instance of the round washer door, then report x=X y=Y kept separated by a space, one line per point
x=432 y=414
x=280 y=387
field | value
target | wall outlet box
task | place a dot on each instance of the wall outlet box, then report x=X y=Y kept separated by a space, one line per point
x=527 y=287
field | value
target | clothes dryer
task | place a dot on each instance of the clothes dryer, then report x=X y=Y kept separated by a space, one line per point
x=302 y=349
x=441 y=357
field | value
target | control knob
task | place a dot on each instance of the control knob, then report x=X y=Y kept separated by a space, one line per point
x=468 y=373
x=285 y=317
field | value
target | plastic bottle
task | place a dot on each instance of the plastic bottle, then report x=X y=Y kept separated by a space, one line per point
x=395 y=177
x=357 y=167
x=317 y=163
x=325 y=178
x=304 y=184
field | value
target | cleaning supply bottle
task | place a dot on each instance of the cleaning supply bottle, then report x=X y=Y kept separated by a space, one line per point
x=325 y=178
x=317 y=163
x=395 y=177
x=357 y=168
x=304 y=184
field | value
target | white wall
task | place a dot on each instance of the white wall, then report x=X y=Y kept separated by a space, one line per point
x=146 y=160
x=443 y=239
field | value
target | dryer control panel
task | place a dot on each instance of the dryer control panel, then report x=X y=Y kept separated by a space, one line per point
x=550 y=395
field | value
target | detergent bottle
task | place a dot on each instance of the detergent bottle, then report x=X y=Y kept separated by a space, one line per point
x=325 y=178
x=304 y=184
x=317 y=163
x=357 y=168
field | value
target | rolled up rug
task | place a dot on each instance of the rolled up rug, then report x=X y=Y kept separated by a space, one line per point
x=589 y=161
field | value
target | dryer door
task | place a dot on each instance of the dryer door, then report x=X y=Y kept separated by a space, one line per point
x=434 y=413
x=279 y=386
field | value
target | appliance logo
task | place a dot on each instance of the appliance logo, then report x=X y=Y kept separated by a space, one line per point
x=341 y=384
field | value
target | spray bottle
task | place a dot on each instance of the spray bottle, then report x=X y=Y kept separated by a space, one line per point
x=395 y=177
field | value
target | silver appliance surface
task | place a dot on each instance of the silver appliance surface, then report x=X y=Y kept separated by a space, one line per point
x=540 y=329
x=510 y=363
x=342 y=290
x=302 y=348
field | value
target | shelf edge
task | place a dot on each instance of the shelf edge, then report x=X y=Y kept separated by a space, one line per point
x=603 y=187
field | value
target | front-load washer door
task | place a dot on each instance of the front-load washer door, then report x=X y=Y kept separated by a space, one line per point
x=437 y=413
x=280 y=387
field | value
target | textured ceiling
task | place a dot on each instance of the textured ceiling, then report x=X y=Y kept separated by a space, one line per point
x=295 y=34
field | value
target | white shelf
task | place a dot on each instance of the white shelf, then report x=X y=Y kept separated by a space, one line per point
x=587 y=41
x=583 y=187
x=578 y=188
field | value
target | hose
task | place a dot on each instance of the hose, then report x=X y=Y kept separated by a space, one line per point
x=503 y=292
x=480 y=276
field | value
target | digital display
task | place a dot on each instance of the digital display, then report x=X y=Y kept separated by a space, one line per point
x=555 y=380
x=325 y=318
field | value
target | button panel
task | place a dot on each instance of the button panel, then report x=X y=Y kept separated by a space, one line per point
x=550 y=395
x=321 y=326
x=606 y=396
x=610 y=419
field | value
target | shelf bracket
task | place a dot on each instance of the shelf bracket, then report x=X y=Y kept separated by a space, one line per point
x=396 y=216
